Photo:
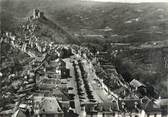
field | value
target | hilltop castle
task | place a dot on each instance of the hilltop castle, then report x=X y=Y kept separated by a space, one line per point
x=36 y=14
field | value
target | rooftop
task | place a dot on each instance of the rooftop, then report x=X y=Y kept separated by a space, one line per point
x=136 y=83
x=47 y=104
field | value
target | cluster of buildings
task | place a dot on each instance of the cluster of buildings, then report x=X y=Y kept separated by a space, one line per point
x=69 y=81
x=41 y=88
x=43 y=76
x=134 y=98
x=49 y=88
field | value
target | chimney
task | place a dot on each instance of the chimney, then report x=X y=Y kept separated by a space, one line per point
x=136 y=105
x=123 y=105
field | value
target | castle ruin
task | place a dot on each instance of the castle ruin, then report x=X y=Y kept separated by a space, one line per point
x=37 y=14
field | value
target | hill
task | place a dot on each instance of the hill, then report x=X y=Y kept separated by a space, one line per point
x=148 y=65
x=42 y=28
x=129 y=22
x=46 y=30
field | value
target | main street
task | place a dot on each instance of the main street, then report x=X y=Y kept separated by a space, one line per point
x=102 y=95
x=72 y=83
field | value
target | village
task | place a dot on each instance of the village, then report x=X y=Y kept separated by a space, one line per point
x=67 y=80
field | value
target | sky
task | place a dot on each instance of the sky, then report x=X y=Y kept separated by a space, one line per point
x=123 y=1
x=130 y=1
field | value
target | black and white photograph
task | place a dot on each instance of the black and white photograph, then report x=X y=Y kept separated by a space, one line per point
x=83 y=58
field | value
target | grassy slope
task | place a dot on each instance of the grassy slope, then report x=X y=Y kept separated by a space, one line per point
x=146 y=65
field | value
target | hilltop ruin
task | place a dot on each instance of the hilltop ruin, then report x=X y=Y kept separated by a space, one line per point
x=36 y=14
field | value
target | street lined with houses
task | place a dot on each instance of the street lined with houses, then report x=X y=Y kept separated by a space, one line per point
x=68 y=80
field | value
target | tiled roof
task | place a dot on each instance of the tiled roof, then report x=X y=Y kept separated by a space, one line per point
x=136 y=83
x=48 y=105
x=19 y=113
x=152 y=107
